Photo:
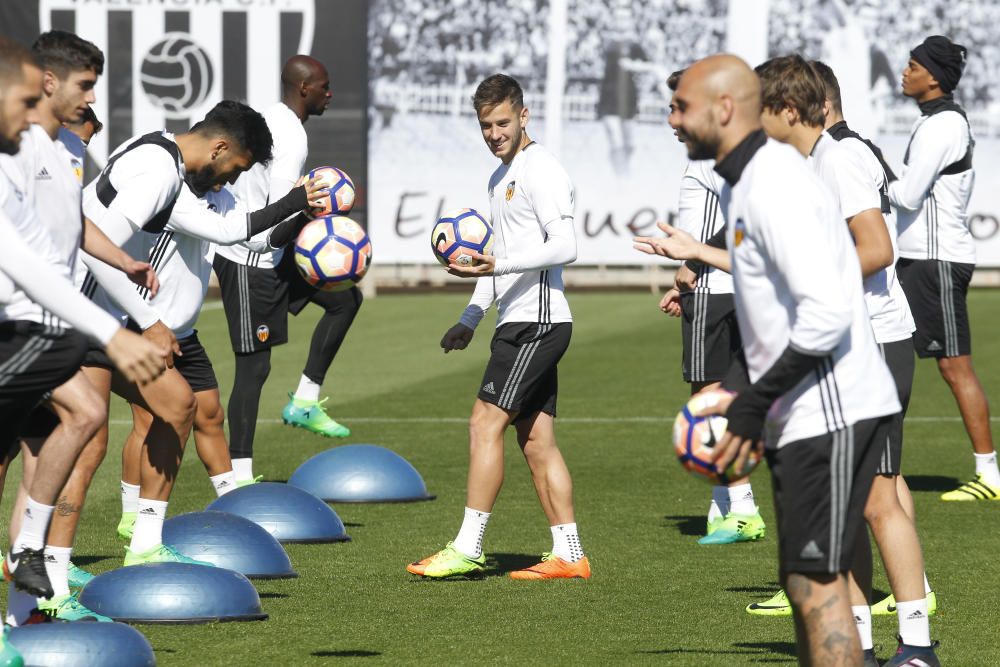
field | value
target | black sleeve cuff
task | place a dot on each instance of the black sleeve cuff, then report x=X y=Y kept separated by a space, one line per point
x=274 y=213
x=748 y=411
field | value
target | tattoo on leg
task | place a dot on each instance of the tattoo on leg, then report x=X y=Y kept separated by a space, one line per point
x=65 y=508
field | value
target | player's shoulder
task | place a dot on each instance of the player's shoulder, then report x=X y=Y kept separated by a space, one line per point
x=282 y=122
x=539 y=162
x=72 y=143
x=702 y=174
x=949 y=120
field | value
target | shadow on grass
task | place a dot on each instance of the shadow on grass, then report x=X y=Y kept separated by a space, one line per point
x=766 y=650
x=90 y=560
x=770 y=588
x=933 y=483
x=351 y=524
x=687 y=524
x=272 y=596
x=347 y=653
x=499 y=564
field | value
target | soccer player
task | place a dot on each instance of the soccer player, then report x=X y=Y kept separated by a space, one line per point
x=41 y=356
x=531 y=202
x=937 y=251
x=183 y=254
x=137 y=191
x=794 y=97
x=260 y=288
x=710 y=336
x=807 y=342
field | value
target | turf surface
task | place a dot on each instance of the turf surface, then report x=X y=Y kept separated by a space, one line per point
x=656 y=596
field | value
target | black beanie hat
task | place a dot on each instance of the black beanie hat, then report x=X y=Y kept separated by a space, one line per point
x=944 y=59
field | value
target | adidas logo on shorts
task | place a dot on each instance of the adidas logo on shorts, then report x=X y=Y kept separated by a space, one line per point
x=489 y=388
x=811 y=551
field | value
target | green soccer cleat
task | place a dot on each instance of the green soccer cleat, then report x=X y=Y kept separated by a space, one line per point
x=735 y=528
x=974 y=489
x=161 y=553
x=449 y=562
x=126 y=525
x=68 y=608
x=247 y=482
x=776 y=606
x=311 y=416
x=78 y=578
x=9 y=656
x=887 y=606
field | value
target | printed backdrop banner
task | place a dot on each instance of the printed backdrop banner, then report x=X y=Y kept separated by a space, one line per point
x=426 y=155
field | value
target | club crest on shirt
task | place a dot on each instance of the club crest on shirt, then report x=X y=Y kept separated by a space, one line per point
x=263 y=333
x=510 y=190
x=738 y=230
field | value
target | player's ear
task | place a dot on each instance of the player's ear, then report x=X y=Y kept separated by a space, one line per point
x=523 y=117
x=725 y=108
x=219 y=147
x=49 y=82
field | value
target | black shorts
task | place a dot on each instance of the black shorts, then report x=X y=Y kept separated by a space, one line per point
x=194 y=364
x=709 y=334
x=34 y=360
x=256 y=305
x=521 y=374
x=820 y=487
x=936 y=292
x=898 y=357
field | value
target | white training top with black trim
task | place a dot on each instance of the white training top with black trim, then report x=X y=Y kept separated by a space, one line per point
x=531 y=206
x=887 y=306
x=933 y=207
x=29 y=271
x=797 y=282
x=264 y=184
x=55 y=194
x=699 y=215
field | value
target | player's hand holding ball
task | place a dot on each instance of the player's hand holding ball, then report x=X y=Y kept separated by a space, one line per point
x=741 y=447
x=456 y=338
x=462 y=241
x=703 y=443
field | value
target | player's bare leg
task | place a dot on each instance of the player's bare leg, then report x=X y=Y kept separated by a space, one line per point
x=486 y=428
x=554 y=485
x=824 y=629
x=972 y=404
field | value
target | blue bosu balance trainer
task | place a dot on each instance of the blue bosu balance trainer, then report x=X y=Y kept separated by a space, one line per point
x=288 y=513
x=229 y=541
x=172 y=593
x=82 y=645
x=360 y=474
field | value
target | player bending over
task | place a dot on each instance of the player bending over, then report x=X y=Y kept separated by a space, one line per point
x=531 y=205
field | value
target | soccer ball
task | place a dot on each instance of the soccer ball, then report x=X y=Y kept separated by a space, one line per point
x=459 y=232
x=339 y=197
x=333 y=253
x=695 y=439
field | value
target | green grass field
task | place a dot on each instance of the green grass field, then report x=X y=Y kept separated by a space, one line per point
x=655 y=597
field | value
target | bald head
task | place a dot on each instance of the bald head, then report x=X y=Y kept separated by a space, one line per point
x=305 y=86
x=719 y=98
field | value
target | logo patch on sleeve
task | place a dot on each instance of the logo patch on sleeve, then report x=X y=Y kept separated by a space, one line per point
x=739 y=229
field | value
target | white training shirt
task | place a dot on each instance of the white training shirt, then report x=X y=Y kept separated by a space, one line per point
x=853 y=174
x=531 y=206
x=31 y=273
x=699 y=215
x=887 y=305
x=182 y=254
x=797 y=282
x=264 y=184
x=147 y=179
x=933 y=207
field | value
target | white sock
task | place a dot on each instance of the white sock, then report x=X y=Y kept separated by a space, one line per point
x=224 y=482
x=986 y=465
x=148 y=531
x=130 y=497
x=741 y=499
x=19 y=605
x=914 y=624
x=566 y=542
x=863 y=619
x=34 y=526
x=243 y=469
x=57 y=567
x=308 y=390
x=720 y=503
x=470 y=535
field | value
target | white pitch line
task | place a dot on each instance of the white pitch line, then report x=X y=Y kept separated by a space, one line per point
x=564 y=420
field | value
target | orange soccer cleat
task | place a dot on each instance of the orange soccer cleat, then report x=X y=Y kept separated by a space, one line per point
x=554 y=567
